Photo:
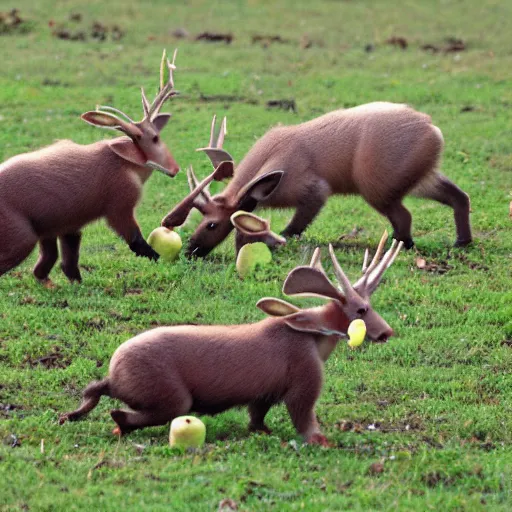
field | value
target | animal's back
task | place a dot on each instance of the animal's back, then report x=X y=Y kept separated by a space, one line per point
x=219 y=365
x=60 y=187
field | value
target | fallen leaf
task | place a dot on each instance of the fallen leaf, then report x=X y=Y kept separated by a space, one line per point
x=226 y=505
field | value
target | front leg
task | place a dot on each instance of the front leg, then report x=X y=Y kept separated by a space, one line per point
x=309 y=204
x=126 y=226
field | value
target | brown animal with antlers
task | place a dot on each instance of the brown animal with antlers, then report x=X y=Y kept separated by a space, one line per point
x=170 y=371
x=53 y=192
x=381 y=151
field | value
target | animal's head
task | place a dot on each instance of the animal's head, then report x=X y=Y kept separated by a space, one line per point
x=217 y=210
x=144 y=146
x=349 y=302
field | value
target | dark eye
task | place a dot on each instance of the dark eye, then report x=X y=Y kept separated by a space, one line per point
x=211 y=225
x=362 y=311
x=156 y=139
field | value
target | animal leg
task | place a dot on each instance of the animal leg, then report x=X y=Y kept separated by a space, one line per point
x=309 y=205
x=125 y=225
x=48 y=254
x=446 y=192
x=301 y=399
x=17 y=240
x=257 y=412
x=70 y=251
x=158 y=410
x=401 y=220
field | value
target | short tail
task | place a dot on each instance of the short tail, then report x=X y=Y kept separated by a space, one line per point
x=92 y=394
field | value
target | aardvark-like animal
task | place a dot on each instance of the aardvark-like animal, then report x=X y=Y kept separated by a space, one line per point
x=381 y=151
x=170 y=371
x=55 y=191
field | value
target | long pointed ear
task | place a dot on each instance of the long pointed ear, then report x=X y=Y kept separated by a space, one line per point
x=307 y=321
x=160 y=120
x=127 y=150
x=248 y=223
x=309 y=281
x=259 y=189
x=110 y=121
x=276 y=307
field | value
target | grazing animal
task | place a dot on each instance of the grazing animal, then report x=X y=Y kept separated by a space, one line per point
x=381 y=151
x=170 y=371
x=55 y=191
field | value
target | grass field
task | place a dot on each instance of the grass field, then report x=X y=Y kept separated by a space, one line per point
x=424 y=422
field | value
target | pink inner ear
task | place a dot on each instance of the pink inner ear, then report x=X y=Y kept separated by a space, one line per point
x=127 y=150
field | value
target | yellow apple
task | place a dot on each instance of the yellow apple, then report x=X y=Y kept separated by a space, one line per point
x=187 y=432
x=356 y=333
x=166 y=242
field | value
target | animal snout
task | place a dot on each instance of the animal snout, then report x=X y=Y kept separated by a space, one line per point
x=174 y=169
x=384 y=336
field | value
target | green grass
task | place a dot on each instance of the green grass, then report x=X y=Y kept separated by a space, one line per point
x=439 y=393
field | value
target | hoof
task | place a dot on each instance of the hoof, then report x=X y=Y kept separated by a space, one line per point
x=319 y=440
x=462 y=243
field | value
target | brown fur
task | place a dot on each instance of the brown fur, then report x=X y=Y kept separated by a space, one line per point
x=170 y=371
x=381 y=151
x=55 y=191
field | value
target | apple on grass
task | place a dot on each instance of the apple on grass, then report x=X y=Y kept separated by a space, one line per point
x=187 y=432
x=250 y=256
x=166 y=242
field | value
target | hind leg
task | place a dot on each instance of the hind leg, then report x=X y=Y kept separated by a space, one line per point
x=401 y=220
x=70 y=250
x=176 y=402
x=446 y=192
x=257 y=412
x=17 y=240
x=48 y=254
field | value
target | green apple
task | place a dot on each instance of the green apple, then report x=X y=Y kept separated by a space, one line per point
x=250 y=256
x=187 y=432
x=166 y=242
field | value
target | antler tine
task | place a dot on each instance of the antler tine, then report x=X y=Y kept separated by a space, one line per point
x=211 y=144
x=365 y=260
x=315 y=260
x=222 y=133
x=145 y=103
x=116 y=110
x=375 y=260
x=390 y=256
x=167 y=90
x=340 y=275
x=193 y=183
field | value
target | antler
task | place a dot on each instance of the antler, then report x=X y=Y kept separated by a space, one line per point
x=214 y=150
x=165 y=91
x=372 y=274
x=178 y=215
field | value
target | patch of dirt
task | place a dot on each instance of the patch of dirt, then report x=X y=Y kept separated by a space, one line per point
x=214 y=37
x=452 y=45
x=506 y=343
x=180 y=33
x=267 y=40
x=11 y=22
x=409 y=424
x=5 y=409
x=352 y=235
x=50 y=361
x=501 y=162
x=226 y=98
x=283 y=104
x=97 y=30
x=400 y=42
x=439 y=267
